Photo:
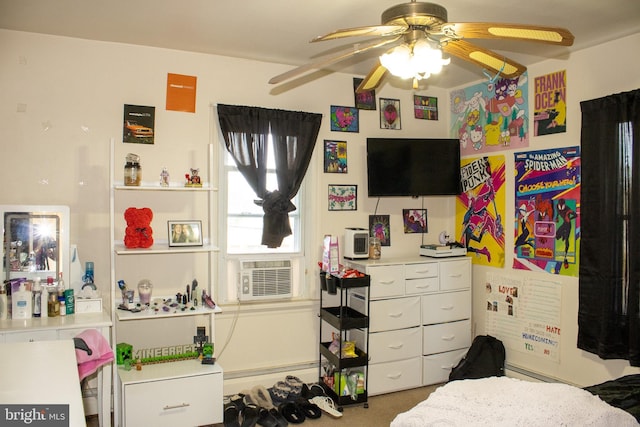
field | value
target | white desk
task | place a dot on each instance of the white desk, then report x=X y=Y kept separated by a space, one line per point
x=63 y=328
x=24 y=382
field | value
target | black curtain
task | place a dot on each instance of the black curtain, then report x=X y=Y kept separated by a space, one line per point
x=245 y=131
x=608 y=314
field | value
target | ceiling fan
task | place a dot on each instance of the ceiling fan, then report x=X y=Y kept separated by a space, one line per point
x=422 y=34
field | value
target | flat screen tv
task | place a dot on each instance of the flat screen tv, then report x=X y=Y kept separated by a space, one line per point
x=413 y=167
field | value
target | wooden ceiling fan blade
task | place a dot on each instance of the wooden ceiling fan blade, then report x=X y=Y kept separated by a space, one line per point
x=373 y=79
x=484 y=58
x=496 y=30
x=375 y=30
x=330 y=59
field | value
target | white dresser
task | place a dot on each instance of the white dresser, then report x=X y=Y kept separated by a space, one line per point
x=420 y=320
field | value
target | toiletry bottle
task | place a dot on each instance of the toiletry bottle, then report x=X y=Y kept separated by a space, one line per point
x=44 y=302
x=61 y=286
x=37 y=298
x=62 y=305
x=3 y=302
x=53 y=306
x=22 y=303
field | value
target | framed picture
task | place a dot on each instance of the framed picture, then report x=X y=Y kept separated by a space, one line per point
x=379 y=226
x=335 y=156
x=390 y=114
x=343 y=197
x=425 y=107
x=344 y=119
x=365 y=100
x=415 y=220
x=185 y=233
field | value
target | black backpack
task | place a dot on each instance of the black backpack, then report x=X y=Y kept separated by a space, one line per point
x=485 y=358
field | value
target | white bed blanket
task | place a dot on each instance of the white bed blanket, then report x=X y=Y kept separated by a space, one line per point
x=510 y=402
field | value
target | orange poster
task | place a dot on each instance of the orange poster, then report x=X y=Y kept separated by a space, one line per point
x=181 y=93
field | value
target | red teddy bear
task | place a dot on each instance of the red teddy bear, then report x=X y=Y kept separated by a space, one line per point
x=138 y=233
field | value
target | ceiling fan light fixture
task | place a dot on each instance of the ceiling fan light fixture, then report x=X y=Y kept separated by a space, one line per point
x=417 y=62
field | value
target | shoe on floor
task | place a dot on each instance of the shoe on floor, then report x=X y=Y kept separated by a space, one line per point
x=326 y=404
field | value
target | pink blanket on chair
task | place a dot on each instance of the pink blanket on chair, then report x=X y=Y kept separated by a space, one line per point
x=101 y=352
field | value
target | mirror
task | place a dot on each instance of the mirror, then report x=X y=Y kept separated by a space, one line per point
x=36 y=241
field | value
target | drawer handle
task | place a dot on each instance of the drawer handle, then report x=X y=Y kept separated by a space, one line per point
x=423 y=286
x=427 y=271
x=182 y=405
x=394 y=376
x=447 y=368
x=387 y=282
x=449 y=338
x=396 y=315
x=455 y=275
x=448 y=307
x=396 y=346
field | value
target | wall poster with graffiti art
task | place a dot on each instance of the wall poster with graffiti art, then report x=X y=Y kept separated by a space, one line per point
x=480 y=209
x=491 y=116
x=547 y=211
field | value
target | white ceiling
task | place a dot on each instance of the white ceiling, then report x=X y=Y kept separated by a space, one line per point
x=279 y=30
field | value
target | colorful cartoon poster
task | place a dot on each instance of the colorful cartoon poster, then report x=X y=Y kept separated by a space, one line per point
x=547 y=220
x=550 y=108
x=335 y=156
x=414 y=220
x=344 y=119
x=480 y=209
x=491 y=116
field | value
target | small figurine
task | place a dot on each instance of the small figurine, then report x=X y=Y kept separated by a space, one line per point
x=193 y=180
x=164 y=178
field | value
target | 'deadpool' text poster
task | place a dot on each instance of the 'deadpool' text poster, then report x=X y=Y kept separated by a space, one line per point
x=480 y=209
x=547 y=220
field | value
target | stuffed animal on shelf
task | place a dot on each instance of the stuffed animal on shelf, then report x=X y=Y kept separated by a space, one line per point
x=139 y=233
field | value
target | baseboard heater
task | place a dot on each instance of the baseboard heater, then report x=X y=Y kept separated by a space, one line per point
x=530 y=374
x=269 y=371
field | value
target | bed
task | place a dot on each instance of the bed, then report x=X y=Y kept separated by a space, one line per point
x=504 y=401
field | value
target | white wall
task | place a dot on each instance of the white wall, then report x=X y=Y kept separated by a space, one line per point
x=591 y=73
x=57 y=152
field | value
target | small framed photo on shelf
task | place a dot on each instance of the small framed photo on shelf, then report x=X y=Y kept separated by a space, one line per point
x=185 y=233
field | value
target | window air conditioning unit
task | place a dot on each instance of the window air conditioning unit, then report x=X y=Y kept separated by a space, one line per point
x=264 y=280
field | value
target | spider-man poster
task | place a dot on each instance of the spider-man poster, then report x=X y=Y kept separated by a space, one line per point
x=480 y=210
x=547 y=211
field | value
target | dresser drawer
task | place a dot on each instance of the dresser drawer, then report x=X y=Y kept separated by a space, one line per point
x=396 y=313
x=421 y=270
x=187 y=401
x=394 y=376
x=386 y=281
x=446 y=307
x=391 y=345
x=30 y=336
x=437 y=367
x=421 y=286
x=446 y=336
x=455 y=274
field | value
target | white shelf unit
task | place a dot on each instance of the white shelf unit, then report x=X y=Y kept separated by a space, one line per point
x=186 y=376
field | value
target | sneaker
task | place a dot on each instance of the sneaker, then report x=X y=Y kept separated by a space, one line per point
x=326 y=404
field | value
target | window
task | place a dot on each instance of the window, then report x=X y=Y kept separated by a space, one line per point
x=244 y=218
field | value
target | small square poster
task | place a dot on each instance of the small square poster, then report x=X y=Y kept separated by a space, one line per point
x=365 y=100
x=379 y=226
x=138 y=124
x=390 y=114
x=425 y=107
x=344 y=119
x=181 y=93
x=335 y=156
